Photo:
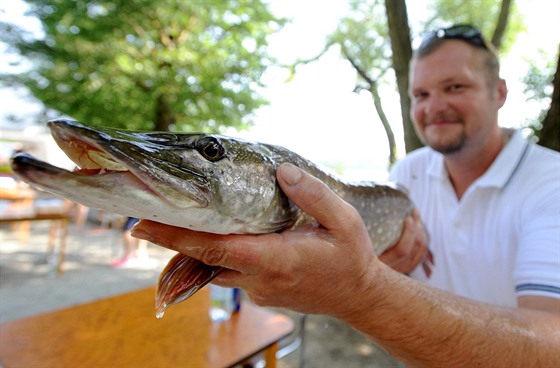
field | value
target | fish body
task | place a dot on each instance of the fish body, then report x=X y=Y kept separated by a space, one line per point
x=202 y=182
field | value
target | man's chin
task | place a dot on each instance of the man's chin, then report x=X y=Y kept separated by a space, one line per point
x=446 y=144
x=448 y=149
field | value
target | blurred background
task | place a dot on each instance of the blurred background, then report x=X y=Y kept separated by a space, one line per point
x=317 y=77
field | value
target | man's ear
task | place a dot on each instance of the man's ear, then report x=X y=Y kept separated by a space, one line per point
x=502 y=91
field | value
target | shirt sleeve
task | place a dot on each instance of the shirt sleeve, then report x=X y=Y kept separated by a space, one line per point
x=537 y=267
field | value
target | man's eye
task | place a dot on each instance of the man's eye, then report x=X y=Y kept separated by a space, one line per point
x=419 y=95
x=456 y=87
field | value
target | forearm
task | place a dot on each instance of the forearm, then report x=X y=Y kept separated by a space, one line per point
x=423 y=326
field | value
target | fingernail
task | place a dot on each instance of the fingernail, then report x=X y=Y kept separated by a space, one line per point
x=290 y=174
x=139 y=233
x=410 y=221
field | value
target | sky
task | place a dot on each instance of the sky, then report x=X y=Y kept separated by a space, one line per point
x=317 y=115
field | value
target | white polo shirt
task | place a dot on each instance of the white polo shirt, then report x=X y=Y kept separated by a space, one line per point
x=502 y=238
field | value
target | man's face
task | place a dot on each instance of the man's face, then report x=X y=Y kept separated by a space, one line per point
x=453 y=103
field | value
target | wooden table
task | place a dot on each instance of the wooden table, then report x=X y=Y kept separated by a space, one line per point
x=123 y=331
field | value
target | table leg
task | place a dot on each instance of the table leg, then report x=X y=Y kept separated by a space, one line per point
x=53 y=231
x=270 y=356
x=62 y=250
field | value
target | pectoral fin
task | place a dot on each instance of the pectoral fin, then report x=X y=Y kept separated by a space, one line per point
x=182 y=277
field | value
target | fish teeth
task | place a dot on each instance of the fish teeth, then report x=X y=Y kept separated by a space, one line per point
x=105 y=161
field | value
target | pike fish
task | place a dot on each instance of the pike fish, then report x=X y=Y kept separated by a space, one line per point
x=203 y=182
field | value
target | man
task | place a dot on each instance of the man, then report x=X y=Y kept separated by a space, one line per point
x=491 y=209
x=477 y=179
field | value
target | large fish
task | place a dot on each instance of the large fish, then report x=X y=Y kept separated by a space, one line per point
x=203 y=182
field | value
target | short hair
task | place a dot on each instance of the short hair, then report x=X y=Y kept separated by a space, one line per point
x=468 y=34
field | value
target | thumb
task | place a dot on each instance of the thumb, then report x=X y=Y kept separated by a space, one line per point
x=314 y=197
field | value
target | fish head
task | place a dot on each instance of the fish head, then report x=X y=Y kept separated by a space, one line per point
x=204 y=182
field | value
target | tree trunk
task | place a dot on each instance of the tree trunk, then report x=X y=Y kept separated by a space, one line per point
x=164 y=117
x=501 y=24
x=549 y=135
x=399 y=32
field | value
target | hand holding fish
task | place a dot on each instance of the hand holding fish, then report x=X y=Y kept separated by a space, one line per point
x=294 y=268
x=206 y=183
x=412 y=248
x=332 y=269
x=304 y=242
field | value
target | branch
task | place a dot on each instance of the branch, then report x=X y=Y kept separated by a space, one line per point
x=355 y=65
x=307 y=61
x=388 y=130
x=372 y=88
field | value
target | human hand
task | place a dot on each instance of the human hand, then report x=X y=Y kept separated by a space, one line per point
x=411 y=249
x=315 y=268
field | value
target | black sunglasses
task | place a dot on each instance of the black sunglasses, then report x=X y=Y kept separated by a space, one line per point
x=463 y=32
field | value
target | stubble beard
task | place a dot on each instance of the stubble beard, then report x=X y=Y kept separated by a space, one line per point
x=450 y=147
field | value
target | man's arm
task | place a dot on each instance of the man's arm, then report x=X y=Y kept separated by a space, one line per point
x=332 y=269
x=541 y=303
x=423 y=326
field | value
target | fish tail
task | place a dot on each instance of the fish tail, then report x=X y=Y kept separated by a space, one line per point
x=181 y=278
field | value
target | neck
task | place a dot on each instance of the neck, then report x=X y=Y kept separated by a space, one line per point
x=470 y=163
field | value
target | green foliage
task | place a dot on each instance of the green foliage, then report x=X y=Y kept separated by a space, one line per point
x=143 y=64
x=538 y=87
x=363 y=37
x=364 y=41
x=538 y=80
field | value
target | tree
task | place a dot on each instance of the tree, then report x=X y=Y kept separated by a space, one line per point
x=363 y=39
x=399 y=31
x=369 y=57
x=143 y=64
x=539 y=81
x=549 y=134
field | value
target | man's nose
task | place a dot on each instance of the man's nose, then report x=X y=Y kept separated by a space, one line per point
x=435 y=104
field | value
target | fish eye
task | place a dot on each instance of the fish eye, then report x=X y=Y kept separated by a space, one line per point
x=211 y=149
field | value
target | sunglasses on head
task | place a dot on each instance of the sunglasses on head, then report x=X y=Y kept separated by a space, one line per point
x=463 y=32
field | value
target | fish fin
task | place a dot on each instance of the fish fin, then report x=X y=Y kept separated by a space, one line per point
x=181 y=278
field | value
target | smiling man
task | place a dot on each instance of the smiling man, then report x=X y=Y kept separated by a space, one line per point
x=490 y=202
x=488 y=197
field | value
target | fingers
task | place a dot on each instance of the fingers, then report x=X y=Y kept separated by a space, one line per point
x=412 y=248
x=233 y=252
x=428 y=264
x=314 y=197
x=408 y=264
x=403 y=248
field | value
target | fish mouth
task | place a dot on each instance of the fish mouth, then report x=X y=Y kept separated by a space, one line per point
x=47 y=176
x=105 y=156
x=83 y=146
x=110 y=160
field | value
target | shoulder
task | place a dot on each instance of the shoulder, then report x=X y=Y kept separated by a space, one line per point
x=546 y=157
x=542 y=165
